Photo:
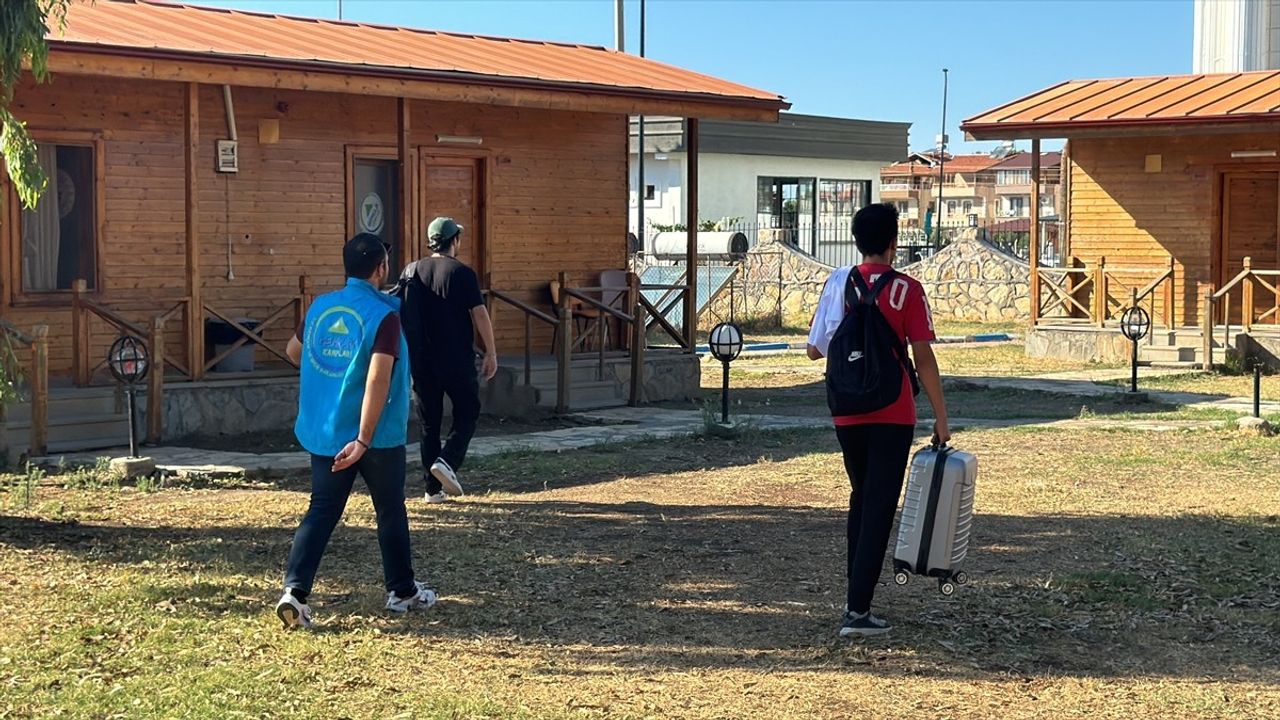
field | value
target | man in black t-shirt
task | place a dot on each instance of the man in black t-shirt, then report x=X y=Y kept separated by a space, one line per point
x=443 y=310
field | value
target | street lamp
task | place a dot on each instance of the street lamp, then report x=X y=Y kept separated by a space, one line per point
x=128 y=361
x=725 y=343
x=1135 y=323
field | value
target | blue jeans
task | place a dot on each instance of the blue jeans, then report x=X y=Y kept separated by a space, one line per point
x=383 y=472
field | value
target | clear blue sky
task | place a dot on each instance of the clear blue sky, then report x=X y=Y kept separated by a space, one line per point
x=878 y=60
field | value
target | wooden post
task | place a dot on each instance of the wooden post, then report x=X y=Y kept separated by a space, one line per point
x=637 y=339
x=1033 y=251
x=1246 y=302
x=79 y=334
x=195 y=284
x=39 y=391
x=691 y=237
x=408 y=233
x=1206 y=328
x=1100 y=292
x=155 y=384
x=1169 y=287
x=305 y=296
x=564 y=351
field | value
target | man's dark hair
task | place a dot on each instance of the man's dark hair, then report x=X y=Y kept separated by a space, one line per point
x=362 y=255
x=875 y=227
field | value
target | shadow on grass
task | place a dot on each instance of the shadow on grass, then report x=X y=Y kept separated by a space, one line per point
x=651 y=586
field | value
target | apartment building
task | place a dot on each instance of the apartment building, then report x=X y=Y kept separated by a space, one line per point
x=1013 y=186
x=968 y=188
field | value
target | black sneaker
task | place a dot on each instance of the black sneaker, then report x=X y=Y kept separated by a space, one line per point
x=864 y=625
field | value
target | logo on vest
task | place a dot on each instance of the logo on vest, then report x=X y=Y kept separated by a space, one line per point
x=855 y=356
x=333 y=340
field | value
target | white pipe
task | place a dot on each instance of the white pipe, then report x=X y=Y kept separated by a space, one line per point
x=619 y=27
x=226 y=198
x=231 y=112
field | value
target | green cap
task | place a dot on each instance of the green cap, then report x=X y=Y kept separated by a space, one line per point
x=442 y=230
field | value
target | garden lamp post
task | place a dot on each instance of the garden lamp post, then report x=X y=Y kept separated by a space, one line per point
x=129 y=363
x=1135 y=323
x=725 y=343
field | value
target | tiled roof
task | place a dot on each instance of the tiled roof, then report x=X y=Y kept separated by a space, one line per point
x=1022 y=161
x=1176 y=100
x=147 y=27
x=956 y=164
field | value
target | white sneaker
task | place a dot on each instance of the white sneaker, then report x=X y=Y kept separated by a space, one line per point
x=437 y=498
x=424 y=598
x=441 y=471
x=293 y=613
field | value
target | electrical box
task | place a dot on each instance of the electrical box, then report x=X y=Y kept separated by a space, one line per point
x=228 y=156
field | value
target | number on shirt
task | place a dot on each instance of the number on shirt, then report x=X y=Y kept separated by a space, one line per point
x=898 y=293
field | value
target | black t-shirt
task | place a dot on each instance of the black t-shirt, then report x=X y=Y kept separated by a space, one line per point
x=437 y=312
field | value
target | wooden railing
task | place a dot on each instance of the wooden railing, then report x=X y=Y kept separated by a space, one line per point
x=295 y=309
x=530 y=314
x=37 y=379
x=1216 y=306
x=84 y=309
x=1066 y=287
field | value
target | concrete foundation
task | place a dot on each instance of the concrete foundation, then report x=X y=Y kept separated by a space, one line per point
x=1083 y=344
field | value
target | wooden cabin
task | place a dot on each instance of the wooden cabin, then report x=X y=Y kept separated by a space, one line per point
x=208 y=164
x=1173 y=203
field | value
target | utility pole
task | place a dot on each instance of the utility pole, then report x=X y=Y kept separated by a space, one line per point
x=640 y=189
x=339 y=9
x=619 y=26
x=942 y=153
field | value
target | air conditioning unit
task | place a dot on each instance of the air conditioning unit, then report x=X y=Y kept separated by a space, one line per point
x=228 y=156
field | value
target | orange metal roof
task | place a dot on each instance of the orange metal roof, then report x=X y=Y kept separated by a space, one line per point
x=1252 y=97
x=151 y=28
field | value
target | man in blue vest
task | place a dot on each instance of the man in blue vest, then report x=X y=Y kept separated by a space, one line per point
x=353 y=408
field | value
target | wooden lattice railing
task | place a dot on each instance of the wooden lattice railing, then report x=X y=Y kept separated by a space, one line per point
x=37 y=376
x=1102 y=293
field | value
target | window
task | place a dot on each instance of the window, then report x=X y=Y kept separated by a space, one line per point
x=1017 y=206
x=1013 y=177
x=787 y=204
x=951 y=207
x=376 y=202
x=968 y=206
x=650 y=192
x=59 y=237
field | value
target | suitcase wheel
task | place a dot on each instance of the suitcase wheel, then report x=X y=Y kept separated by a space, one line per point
x=901 y=577
x=961 y=578
x=946 y=587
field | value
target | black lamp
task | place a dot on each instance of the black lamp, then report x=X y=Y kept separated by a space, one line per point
x=129 y=362
x=725 y=343
x=1135 y=324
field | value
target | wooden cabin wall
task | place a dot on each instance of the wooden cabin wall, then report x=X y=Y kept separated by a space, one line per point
x=558 y=197
x=1136 y=218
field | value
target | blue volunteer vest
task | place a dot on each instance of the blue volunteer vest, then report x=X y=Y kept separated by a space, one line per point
x=340 y=329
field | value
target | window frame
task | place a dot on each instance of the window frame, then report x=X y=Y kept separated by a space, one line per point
x=15 y=293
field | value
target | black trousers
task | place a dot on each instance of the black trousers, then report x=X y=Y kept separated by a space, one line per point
x=875 y=457
x=430 y=387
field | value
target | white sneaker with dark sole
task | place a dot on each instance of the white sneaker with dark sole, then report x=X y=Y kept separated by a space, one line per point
x=440 y=470
x=437 y=498
x=292 y=613
x=424 y=599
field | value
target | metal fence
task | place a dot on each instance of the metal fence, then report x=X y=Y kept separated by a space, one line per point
x=832 y=243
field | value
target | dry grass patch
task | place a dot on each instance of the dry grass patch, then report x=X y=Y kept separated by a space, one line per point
x=1114 y=573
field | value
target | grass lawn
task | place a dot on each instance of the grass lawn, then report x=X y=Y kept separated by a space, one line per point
x=1215 y=384
x=1113 y=574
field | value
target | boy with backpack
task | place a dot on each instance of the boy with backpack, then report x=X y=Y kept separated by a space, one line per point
x=865 y=321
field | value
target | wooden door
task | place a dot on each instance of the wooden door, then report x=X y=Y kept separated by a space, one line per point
x=1250 y=219
x=454 y=187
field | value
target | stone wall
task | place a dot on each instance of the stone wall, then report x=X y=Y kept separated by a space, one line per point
x=969 y=280
x=974 y=281
x=216 y=408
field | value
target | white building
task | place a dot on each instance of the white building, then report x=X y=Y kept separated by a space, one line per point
x=806 y=174
x=1236 y=36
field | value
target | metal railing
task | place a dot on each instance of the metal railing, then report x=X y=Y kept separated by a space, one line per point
x=37 y=376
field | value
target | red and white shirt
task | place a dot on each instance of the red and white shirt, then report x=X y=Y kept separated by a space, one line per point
x=903 y=304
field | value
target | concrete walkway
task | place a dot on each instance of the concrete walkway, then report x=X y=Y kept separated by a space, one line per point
x=621 y=425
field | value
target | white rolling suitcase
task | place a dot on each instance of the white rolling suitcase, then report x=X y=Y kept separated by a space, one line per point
x=937 y=514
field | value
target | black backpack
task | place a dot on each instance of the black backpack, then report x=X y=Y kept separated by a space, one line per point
x=410 y=289
x=865 y=359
